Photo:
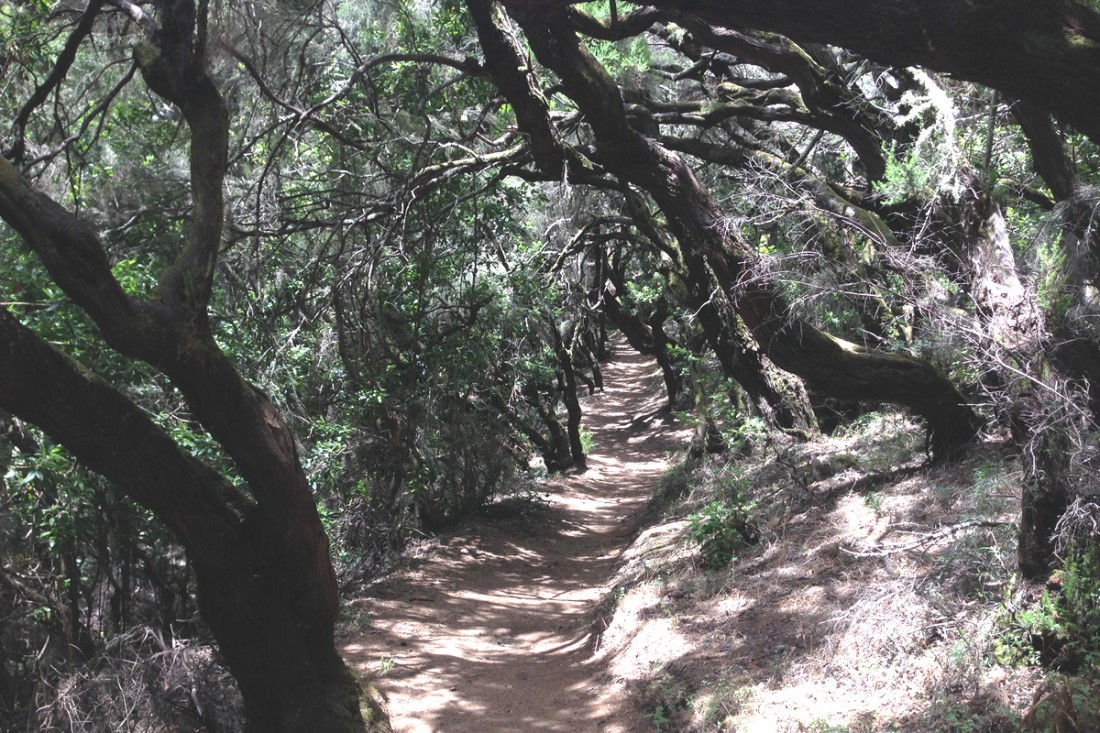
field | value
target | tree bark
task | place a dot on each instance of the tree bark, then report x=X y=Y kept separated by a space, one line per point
x=1015 y=338
x=564 y=340
x=1075 y=349
x=555 y=451
x=266 y=587
x=1048 y=155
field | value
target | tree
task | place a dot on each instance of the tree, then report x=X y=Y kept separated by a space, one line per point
x=700 y=226
x=636 y=136
x=347 y=288
x=1047 y=53
x=260 y=554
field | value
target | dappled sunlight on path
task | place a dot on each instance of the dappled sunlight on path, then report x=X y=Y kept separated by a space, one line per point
x=494 y=631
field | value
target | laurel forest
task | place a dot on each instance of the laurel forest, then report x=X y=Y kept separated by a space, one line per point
x=286 y=285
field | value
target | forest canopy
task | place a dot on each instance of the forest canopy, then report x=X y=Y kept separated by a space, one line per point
x=284 y=283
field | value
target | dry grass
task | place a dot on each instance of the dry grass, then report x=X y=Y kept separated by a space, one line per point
x=871 y=604
x=142 y=684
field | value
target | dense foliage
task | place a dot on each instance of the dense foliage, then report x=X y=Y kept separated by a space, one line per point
x=435 y=214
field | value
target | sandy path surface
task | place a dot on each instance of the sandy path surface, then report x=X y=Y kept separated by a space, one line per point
x=495 y=631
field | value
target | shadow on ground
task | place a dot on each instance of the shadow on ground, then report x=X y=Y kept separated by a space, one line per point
x=494 y=632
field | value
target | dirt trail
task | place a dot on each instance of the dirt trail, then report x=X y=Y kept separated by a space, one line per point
x=493 y=632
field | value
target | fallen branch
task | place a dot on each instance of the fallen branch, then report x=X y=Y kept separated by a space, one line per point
x=926 y=539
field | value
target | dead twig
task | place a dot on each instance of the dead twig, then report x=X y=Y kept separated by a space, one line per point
x=925 y=539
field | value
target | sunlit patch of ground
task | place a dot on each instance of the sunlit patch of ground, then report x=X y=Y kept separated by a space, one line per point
x=491 y=629
x=857 y=612
x=869 y=604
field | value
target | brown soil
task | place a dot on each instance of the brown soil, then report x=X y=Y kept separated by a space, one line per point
x=869 y=605
x=873 y=601
x=497 y=628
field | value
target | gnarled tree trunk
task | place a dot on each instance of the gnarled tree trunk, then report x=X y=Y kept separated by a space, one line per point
x=1032 y=402
x=1045 y=52
x=259 y=551
x=266 y=586
x=564 y=341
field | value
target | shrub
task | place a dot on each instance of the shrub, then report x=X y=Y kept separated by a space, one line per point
x=1062 y=629
x=724 y=527
x=1078 y=611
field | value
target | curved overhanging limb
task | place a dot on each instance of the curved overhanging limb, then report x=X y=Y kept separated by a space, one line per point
x=828 y=364
x=1047 y=53
x=266 y=584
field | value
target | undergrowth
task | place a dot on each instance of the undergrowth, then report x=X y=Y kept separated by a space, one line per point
x=725 y=526
x=884 y=599
x=1059 y=631
x=143 y=682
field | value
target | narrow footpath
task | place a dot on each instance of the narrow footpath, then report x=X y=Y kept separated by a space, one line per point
x=494 y=631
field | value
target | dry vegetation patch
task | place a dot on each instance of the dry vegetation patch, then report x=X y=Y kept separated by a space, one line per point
x=144 y=683
x=872 y=599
